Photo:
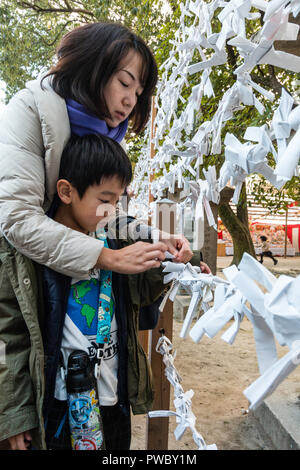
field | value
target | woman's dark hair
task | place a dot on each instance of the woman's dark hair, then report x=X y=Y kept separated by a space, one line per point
x=263 y=238
x=86 y=160
x=89 y=55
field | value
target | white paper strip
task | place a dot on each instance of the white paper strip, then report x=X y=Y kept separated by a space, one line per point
x=180 y=153
x=182 y=400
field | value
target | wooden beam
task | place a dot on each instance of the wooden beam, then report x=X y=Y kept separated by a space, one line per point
x=152 y=149
x=144 y=335
x=292 y=47
x=157 y=435
x=158 y=428
x=285 y=232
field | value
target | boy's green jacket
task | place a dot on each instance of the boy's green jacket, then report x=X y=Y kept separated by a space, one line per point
x=22 y=366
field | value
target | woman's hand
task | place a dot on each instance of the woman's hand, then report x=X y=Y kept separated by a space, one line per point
x=178 y=246
x=21 y=441
x=132 y=259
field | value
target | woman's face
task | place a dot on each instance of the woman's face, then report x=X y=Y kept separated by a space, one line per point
x=123 y=88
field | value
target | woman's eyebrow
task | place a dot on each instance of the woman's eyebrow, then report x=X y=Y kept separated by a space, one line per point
x=129 y=73
x=132 y=76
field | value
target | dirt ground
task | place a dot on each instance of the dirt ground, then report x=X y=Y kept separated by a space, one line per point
x=218 y=373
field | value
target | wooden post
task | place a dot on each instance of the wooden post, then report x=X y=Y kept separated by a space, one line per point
x=144 y=335
x=158 y=428
x=285 y=235
x=152 y=149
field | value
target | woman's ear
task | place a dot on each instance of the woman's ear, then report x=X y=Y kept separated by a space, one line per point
x=64 y=191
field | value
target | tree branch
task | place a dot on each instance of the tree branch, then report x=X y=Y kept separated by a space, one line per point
x=231 y=55
x=52 y=43
x=276 y=85
x=39 y=9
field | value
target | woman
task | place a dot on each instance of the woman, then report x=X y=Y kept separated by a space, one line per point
x=104 y=78
x=102 y=68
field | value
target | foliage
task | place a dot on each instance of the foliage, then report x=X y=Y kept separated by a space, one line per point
x=274 y=200
x=31 y=29
x=222 y=78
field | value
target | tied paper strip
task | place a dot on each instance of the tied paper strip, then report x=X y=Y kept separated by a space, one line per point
x=241 y=160
x=279 y=308
x=274 y=314
x=182 y=400
x=284 y=121
x=179 y=147
x=174 y=136
x=280 y=122
x=204 y=191
x=200 y=286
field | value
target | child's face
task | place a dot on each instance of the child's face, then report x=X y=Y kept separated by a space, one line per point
x=123 y=88
x=96 y=205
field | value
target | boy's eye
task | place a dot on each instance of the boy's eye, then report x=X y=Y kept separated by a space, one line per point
x=104 y=202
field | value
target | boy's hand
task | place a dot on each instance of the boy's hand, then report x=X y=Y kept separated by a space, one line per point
x=20 y=441
x=205 y=268
x=132 y=259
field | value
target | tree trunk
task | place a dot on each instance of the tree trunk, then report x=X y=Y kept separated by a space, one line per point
x=209 y=249
x=237 y=226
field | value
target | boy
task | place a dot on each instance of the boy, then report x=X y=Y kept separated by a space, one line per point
x=87 y=163
x=94 y=172
x=265 y=250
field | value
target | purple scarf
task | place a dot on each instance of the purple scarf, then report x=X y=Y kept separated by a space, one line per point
x=82 y=123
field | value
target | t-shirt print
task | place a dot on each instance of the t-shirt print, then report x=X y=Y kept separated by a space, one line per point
x=83 y=305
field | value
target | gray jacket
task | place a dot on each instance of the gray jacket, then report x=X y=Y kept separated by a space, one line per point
x=34 y=128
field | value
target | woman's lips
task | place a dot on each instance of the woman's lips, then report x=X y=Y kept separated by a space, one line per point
x=120 y=115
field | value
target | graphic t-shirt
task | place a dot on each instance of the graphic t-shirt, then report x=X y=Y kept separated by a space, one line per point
x=83 y=305
x=80 y=330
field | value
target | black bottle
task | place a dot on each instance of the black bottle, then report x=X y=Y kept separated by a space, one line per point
x=84 y=411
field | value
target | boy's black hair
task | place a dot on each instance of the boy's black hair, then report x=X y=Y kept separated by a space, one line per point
x=263 y=238
x=86 y=160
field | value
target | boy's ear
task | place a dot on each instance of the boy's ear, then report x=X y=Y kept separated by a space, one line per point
x=64 y=191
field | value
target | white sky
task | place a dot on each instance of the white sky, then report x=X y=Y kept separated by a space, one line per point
x=166 y=8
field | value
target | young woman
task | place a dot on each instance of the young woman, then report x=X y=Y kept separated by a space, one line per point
x=103 y=79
